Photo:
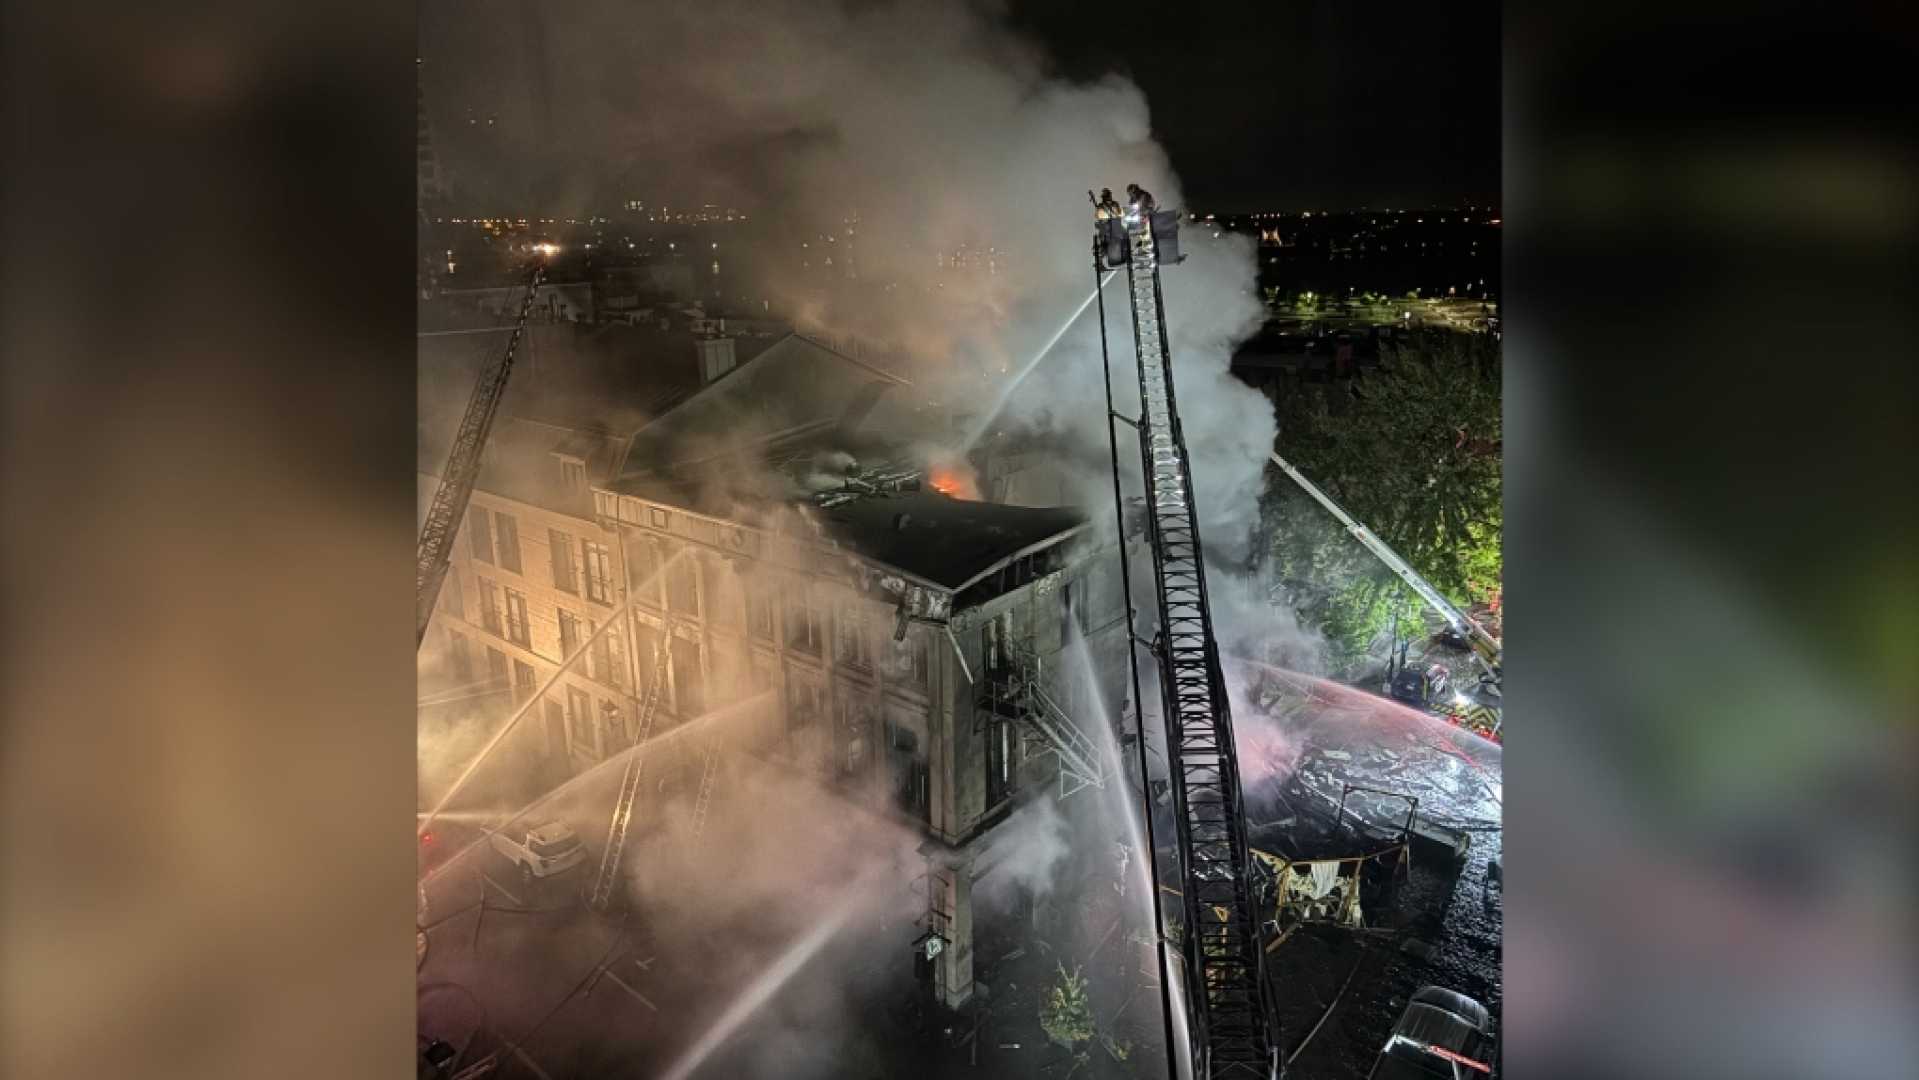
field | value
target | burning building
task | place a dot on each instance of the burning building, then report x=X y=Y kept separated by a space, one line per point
x=784 y=556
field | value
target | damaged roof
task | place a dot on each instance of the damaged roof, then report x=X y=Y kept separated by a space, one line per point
x=946 y=541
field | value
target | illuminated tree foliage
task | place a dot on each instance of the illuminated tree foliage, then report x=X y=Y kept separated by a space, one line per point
x=1065 y=1014
x=1412 y=449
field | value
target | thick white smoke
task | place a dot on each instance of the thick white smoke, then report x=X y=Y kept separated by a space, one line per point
x=1026 y=854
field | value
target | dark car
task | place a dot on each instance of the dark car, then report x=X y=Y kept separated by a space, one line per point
x=1442 y=1034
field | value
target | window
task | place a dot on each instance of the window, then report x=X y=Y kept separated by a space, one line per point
x=462 y=662
x=648 y=642
x=565 y=576
x=579 y=721
x=807 y=702
x=569 y=633
x=999 y=761
x=730 y=677
x=524 y=681
x=508 y=531
x=765 y=675
x=616 y=658
x=856 y=722
x=642 y=571
x=452 y=600
x=722 y=586
x=688 y=686
x=609 y=659
x=803 y=631
x=759 y=614
x=495 y=666
x=682 y=589
x=517 y=629
x=478 y=539
x=573 y=475
x=854 y=650
x=612 y=725
x=555 y=728
x=490 y=607
x=904 y=662
x=599 y=573
x=906 y=770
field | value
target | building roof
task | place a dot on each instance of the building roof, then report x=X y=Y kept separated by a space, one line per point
x=793 y=384
x=800 y=420
x=577 y=391
x=946 y=541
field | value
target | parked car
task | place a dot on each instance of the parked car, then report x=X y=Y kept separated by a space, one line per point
x=540 y=851
x=1441 y=1033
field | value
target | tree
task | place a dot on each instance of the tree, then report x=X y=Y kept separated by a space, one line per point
x=1065 y=1014
x=1412 y=450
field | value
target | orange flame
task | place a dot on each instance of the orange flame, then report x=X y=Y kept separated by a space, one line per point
x=952 y=482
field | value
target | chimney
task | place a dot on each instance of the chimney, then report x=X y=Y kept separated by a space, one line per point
x=716 y=357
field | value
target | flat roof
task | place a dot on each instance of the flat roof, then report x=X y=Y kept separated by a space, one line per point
x=949 y=542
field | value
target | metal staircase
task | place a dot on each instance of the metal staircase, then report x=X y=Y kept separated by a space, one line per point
x=1232 y=1030
x=1012 y=691
x=609 y=875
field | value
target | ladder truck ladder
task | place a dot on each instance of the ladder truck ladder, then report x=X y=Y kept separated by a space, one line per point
x=709 y=773
x=1233 y=1021
x=462 y=469
x=1486 y=648
x=609 y=875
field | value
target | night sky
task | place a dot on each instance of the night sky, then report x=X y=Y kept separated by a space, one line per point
x=1266 y=105
x=1301 y=104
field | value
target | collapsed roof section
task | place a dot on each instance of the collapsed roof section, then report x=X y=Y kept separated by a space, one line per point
x=805 y=428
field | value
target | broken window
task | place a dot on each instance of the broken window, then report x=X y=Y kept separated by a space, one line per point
x=904 y=662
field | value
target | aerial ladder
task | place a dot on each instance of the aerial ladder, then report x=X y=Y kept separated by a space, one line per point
x=1485 y=647
x=608 y=877
x=1232 y=1023
x=462 y=469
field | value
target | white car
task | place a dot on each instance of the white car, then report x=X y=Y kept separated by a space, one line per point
x=540 y=851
